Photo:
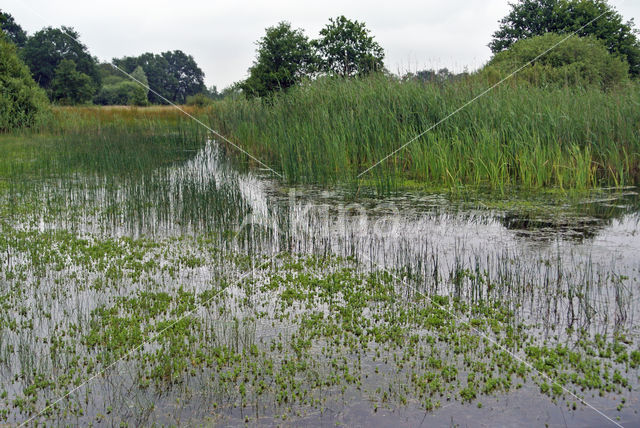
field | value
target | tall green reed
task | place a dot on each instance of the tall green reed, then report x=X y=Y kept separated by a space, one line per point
x=332 y=129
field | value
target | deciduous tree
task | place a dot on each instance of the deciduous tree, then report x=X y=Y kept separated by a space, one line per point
x=70 y=86
x=346 y=48
x=119 y=89
x=284 y=57
x=174 y=75
x=577 y=61
x=13 y=30
x=186 y=78
x=46 y=49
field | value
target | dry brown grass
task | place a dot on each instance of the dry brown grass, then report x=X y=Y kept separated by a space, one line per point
x=109 y=113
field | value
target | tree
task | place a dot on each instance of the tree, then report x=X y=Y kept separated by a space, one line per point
x=70 y=86
x=284 y=57
x=14 y=31
x=346 y=48
x=233 y=91
x=212 y=92
x=141 y=80
x=174 y=75
x=46 y=49
x=156 y=69
x=205 y=98
x=578 y=61
x=187 y=78
x=108 y=72
x=530 y=18
x=22 y=102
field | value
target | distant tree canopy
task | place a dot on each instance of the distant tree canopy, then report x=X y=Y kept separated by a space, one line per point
x=174 y=75
x=189 y=78
x=63 y=67
x=47 y=49
x=284 y=58
x=22 y=102
x=578 y=61
x=530 y=18
x=69 y=86
x=14 y=32
x=346 y=48
x=140 y=78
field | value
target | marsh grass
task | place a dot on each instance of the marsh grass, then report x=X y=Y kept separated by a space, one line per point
x=101 y=140
x=125 y=140
x=119 y=164
x=331 y=130
x=97 y=256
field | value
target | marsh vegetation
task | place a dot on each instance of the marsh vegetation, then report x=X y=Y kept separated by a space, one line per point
x=332 y=130
x=433 y=248
x=183 y=287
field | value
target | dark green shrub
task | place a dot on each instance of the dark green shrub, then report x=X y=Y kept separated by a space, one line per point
x=123 y=92
x=70 y=86
x=22 y=102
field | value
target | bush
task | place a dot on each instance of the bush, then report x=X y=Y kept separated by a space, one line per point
x=199 y=100
x=577 y=61
x=122 y=93
x=22 y=102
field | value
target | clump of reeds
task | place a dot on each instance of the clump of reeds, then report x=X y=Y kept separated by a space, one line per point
x=332 y=129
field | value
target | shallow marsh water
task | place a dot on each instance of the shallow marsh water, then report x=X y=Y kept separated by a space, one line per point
x=308 y=305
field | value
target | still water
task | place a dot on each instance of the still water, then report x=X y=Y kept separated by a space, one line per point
x=75 y=244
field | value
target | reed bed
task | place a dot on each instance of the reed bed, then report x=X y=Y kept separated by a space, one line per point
x=330 y=130
x=118 y=140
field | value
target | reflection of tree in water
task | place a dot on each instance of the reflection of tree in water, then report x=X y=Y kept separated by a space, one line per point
x=577 y=222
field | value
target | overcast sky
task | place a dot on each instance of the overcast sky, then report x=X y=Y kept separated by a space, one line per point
x=221 y=35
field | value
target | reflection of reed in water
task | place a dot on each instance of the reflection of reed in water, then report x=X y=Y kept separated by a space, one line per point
x=581 y=222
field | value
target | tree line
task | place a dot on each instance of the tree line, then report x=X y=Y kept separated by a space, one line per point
x=63 y=66
x=607 y=51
